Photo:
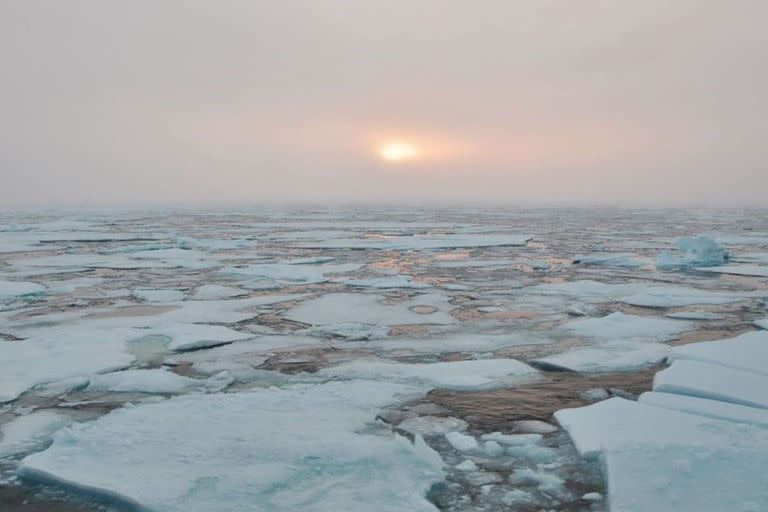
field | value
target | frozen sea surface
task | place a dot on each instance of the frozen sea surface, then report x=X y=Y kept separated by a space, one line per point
x=293 y=359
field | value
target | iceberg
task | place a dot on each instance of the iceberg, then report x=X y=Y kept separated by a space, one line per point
x=258 y=453
x=698 y=251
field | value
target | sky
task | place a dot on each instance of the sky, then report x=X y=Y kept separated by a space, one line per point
x=515 y=102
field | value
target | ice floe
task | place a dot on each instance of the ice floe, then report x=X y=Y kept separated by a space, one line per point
x=619 y=326
x=739 y=270
x=345 y=308
x=31 y=432
x=748 y=351
x=398 y=281
x=154 y=295
x=422 y=242
x=609 y=259
x=707 y=408
x=620 y=356
x=264 y=455
x=217 y=291
x=60 y=355
x=705 y=380
x=14 y=289
x=461 y=375
x=156 y=381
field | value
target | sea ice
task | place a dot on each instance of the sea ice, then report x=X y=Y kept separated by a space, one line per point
x=61 y=354
x=345 y=308
x=422 y=242
x=156 y=381
x=462 y=442
x=432 y=425
x=194 y=336
x=704 y=380
x=707 y=408
x=694 y=315
x=618 y=356
x=14 y=289
x=461 y=375
x=28 y=433
x=258 y=452
x=696 y=251
x=739 y=270
x=609 y=259
x=748 y=351
x=619 y=326
x=154 y=295
x=762 y=323
x=398 y=281
x=216 y=291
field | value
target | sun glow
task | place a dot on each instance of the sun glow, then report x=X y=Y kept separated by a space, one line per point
x=399 y=151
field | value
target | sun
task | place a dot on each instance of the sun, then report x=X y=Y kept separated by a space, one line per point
x=399 y=151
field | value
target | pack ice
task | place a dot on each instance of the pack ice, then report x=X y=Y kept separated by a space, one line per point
x=697 y=443
x=302 y=448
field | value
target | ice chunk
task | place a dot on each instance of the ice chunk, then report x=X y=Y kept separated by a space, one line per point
x=157 y=381
x=715 y=382
x=352 y=331
x=462 y=442
x=461 y=375
x=216 y=291
x=13 y=289
x=28 y=433
x=432 y=425
x=618 y=326
x=492 y=448
x=249 y=451
x=762 y=323
x=696 y=251
x=620 y=356
x=748 y=351
x=546 y=482
x=60 y=355
x=512 y=439
x=467 y=465
x=534 y=427
x=464 y=342
x=194 y=336
x=707 y=408
x=152 y=295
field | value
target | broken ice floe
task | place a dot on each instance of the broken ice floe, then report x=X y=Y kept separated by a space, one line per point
x=698 y=251
x=264 y=453
x=696 y=443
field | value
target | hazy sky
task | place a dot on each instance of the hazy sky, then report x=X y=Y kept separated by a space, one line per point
x=625 y=101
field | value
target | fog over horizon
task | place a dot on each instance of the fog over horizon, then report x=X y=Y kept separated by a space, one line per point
x=511 y=103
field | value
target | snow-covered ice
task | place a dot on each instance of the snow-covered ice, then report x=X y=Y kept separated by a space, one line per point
x=28 y=433
x=708 y=408
x=621 y=356
x=713 y=381
x=748 y=351
x=460 y=375
x=156 y=381
x=259 y=452
x=619 y=326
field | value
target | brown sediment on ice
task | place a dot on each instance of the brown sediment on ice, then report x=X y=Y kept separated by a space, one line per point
x=710 y=335
x=497 y=410
x=464 y=314
x=408 y=330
